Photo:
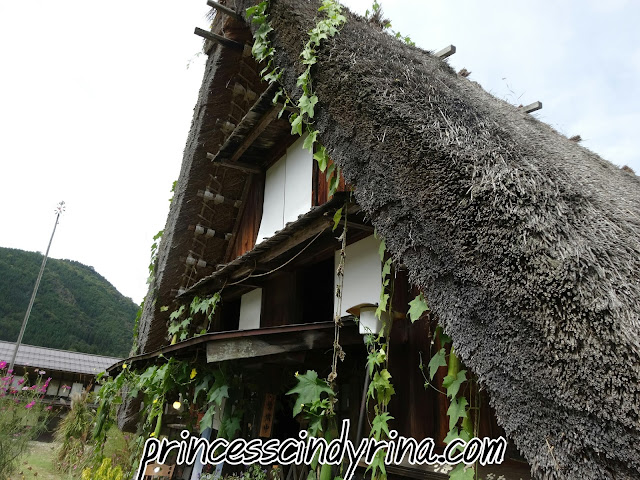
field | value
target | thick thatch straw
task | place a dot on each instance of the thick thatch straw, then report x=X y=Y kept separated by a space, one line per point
x=526 y=244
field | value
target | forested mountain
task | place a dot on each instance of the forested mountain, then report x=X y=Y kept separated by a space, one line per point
x=75 y=309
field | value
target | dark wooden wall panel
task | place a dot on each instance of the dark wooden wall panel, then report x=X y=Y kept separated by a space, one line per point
x=279 y=300
x=250 y=222
x=320 y=189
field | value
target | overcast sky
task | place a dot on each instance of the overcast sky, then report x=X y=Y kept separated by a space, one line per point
x=96 y=101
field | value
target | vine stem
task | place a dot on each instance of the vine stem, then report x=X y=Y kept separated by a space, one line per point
x=337 y=349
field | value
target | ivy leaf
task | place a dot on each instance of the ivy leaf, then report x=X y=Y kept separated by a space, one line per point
x=456 y=411
x=437 y=361
x=309 y=389
x=378 y=464
x=307 y=104
x=218 y=395
x=386 y=268
x=202 y=386
x=263 y=31
x=310 y=140
x=303 y=79
x=308 y=56
x=451 y=435
x=462 y=472
x=322 y=158
x=296 y=124
x=229 y=427
x=334 y=182
x=417 y=307
x=452 y=384
x=381 y=387
x=380 y=425
x=315 y=425
x=336 y=218
x=381 y=249
x=375 y=358
x=207 y=418
x=382 y=307
x=176 y=314
x=316 y=35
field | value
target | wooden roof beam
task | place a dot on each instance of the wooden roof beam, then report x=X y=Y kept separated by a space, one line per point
x=446 y=52
x=264 y=122
x=532 y=107
x=213 y=37
x=225 y=10
x=244 y=167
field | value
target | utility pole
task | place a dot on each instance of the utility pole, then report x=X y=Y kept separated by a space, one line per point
x=58 y=211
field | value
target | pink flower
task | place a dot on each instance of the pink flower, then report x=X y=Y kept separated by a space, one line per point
x=66 y=387
x=25 y=388
x=21 y=381
x=3 y=364
x=49 y=407
x=41 y=372
x=46 y=384
x=10 y=371
x=30 y=404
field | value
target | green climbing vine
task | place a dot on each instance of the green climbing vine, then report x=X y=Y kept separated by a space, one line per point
x=176 y=382
x=180 y=324
x=380 y=387
x=456 y=386
x=301 y=120
x=375 y=16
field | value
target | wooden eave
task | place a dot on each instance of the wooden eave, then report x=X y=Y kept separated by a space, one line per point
x=247 y=344
x=314 y=222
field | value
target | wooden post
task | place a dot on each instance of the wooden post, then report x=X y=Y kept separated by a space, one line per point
x=225 y=10
x=446 y=52
x=532 y=107
x=218 y=39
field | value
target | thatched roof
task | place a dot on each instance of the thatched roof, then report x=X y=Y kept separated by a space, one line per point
x=526 y=244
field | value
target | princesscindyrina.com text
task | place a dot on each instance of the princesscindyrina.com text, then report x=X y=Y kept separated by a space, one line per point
x=303 y=450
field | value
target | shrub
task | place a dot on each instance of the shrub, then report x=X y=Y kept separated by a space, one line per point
x=22 y=416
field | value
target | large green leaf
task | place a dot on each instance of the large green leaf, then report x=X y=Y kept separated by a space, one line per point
x=417 y=307
x=216 y=395
x=456 y=411
x=309 y=388
x=437 y=361
x=452 y=384
x=207 y=418
x=380 y=425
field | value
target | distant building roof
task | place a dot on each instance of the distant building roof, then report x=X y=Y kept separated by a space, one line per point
x=52 y=359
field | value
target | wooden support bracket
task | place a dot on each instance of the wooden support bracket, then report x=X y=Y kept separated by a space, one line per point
x=218 y=39
x=225 y=10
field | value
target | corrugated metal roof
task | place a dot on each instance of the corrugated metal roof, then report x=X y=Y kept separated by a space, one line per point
x=52 y=359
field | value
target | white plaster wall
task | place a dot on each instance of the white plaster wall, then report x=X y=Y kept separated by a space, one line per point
x=299 y=178
x=287 y=190
x=362 y=273
x=273 y=206
x=250 y=309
